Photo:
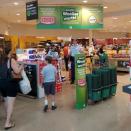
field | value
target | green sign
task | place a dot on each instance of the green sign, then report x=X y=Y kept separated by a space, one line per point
x=70 y=17
x=80 y=76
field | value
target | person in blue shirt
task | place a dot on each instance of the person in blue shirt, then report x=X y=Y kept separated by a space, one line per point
x=49 y=73
x=74 y=50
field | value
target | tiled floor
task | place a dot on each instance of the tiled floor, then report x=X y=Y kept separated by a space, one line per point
x=110 y=115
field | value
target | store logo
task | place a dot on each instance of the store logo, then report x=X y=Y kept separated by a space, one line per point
x=92 y=19
x=81 y=82
x=48 y=20
x=70 y=14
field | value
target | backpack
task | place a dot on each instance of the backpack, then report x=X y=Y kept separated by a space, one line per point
x=3 y=70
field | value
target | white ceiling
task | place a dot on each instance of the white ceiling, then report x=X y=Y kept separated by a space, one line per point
x=116 y=8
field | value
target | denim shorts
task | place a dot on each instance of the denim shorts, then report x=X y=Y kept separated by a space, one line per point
x=49 y=88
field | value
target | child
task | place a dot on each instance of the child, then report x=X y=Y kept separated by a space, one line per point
x=49 y=73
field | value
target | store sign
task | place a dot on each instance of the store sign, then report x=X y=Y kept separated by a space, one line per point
x=48 y=20
x=32 y=10
x=70 y=17
x=70 y=14
x=80 y=77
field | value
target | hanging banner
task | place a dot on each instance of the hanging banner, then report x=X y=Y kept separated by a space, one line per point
x=32 y=10
x=80 y=77
x=70 y=17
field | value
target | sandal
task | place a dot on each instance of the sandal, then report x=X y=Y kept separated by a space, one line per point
x=12 y=125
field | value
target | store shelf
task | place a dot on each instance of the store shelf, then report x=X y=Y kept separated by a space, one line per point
x=122 y=69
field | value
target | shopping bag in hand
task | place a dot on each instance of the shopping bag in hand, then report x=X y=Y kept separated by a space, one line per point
x=25 y=86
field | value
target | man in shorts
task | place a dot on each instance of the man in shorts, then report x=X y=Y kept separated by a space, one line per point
x=49 y=73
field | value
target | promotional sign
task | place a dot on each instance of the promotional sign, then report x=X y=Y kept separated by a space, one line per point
x=80 y=76
x=70 y=17
x=32 y=10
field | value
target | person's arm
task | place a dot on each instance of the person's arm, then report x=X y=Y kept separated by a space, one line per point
x=43 y=72
x=55 y=73
x=16 y=67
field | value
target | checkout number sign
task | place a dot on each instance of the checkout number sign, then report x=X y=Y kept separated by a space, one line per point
x=80 y=76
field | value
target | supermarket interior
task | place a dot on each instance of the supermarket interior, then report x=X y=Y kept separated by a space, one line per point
x=89 y=42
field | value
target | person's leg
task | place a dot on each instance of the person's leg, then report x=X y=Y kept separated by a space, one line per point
x=52 y=92
x=10 y=107
x=72 y=71
x=46 y=98
x=10 y=101
x=5 y=105
x=66 y=63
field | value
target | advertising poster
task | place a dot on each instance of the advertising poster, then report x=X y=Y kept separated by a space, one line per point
x=70 y=17
x=92 y=17
x=80 y=76
x=49 y=17
x=32 y=10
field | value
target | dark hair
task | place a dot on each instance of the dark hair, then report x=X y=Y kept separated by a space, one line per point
x=48 y=59
x=7 y=51
x=101 y=51
x=4 y=56
x=14 y=56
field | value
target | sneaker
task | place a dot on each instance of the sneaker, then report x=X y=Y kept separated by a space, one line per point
x=54 y=107
x=45 y=108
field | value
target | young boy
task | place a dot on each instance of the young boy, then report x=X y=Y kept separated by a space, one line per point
x=49 y=73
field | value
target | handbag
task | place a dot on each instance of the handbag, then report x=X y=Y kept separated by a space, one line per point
x=24 y=84
x=15 y=77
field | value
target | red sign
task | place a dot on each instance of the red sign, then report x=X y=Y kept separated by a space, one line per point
x=82 y=82
x=48 y=20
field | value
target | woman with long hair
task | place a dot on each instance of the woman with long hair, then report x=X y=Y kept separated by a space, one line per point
x=9 y=88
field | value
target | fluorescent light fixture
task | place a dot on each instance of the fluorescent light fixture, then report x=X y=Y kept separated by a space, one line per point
x=85 y=1
x=16 y=3
x=105 y=7
x=1 y=37
x=115 y=18
x=40 y=37
x=18 y=14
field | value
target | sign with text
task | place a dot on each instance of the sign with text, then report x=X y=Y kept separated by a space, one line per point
x=70 y=17
x=32 y=10
x=80 y=80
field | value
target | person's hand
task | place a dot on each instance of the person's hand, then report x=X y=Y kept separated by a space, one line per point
x=22 y=67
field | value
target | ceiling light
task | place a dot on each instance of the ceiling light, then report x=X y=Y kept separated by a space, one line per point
x=130 y=21
x=1 y=37
x=40 y=37
x=105 y=7
x=16 y=3
x=84 y=1
x=115 y=18
x=18 y=14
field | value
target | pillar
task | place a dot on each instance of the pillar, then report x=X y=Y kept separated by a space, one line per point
x=90 y=36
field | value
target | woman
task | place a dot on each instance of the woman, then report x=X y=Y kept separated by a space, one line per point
x=9 y=88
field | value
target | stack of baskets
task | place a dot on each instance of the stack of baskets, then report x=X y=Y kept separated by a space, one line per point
x=102 y=83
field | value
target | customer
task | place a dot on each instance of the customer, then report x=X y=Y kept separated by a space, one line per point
x=66 y=55
x=9 y=88
x=49 y=73
x=74 y=50
x=103 y=57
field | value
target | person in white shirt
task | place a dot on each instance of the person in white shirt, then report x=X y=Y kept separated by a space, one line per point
x=74 y=50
